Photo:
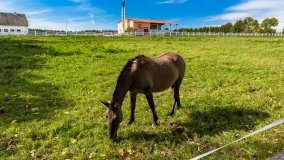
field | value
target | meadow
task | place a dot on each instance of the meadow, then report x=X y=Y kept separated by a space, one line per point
x=51 y=90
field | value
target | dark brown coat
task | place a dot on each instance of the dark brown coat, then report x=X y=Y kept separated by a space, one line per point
x=145 y=75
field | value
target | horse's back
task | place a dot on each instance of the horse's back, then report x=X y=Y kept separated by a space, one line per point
x=171 y=61
x=169 y=67
x=157 y=73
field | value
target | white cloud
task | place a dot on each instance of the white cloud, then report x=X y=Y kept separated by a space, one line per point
x=11 y=6
x=40 y=12
x=43 y=23
x=73 y=19
x=73 y=24
x=93 y=22
x=89 y=8
x=46 y=18
x=256 y=5
x=232 y=16
x=172 y=2
x=6 y=7
x=258 y=9
x=92 y=17
x=86 y=22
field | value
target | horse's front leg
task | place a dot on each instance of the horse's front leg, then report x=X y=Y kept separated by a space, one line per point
x=132 y=106
x=149 y=96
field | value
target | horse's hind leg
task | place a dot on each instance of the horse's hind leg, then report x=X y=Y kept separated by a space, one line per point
x=176 y=96
x=149 y=96
x=132 y=105
x=176 y=87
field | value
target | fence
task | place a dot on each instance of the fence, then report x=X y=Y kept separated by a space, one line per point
x=62 y=33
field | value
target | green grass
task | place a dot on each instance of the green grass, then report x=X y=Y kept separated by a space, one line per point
x=51 y=88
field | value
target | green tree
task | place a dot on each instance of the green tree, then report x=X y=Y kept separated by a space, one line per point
x=226 y=27
x=267 y=25
x=129 y=29
x=250 y=25
x=238 y=27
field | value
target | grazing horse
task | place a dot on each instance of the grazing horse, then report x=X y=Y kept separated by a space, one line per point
x=145 y=75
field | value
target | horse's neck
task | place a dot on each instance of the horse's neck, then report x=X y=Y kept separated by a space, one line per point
x=121 y=90
x=119 y=95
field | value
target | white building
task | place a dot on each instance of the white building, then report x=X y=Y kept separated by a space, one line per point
x=13 y=24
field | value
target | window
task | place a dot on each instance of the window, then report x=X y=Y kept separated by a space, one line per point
x=139 y=26
x=0 y=30
x=12 y=30
x=18 y=30
x=155 y=26
x=5 y=30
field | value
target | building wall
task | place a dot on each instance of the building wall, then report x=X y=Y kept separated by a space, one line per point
x=127 y=23
x=137 y=26
x=13 y=30
x=120 y=26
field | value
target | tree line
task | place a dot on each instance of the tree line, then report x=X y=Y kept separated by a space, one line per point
x=247 y=25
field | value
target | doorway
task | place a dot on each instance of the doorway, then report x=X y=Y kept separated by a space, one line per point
x=146 y=29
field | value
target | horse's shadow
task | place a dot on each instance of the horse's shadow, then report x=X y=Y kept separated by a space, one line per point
x=215 y=120
x=221 y=119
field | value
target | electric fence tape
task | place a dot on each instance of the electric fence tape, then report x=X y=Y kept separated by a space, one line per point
x=276 y=123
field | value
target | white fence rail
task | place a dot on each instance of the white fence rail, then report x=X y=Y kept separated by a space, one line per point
x=48 y=33
x=62 y=33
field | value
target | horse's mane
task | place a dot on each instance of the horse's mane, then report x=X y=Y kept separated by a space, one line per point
x=125 y=68
x=127 y=65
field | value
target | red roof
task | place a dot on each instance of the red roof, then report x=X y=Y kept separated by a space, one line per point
x=149 y=21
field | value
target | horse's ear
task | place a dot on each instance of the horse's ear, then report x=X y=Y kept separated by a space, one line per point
x=106 y=104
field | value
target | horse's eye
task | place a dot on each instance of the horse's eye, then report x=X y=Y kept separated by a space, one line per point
x=106 y=116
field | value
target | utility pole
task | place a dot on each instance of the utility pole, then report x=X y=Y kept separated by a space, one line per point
x=66 y=29
x=123 y=15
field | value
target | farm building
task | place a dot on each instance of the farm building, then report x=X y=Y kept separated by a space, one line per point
x=141 y=25
x=13 y=23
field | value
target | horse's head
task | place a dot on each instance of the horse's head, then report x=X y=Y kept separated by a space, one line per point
x=114 y=117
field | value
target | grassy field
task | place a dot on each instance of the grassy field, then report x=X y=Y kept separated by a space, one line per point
x=51 y=88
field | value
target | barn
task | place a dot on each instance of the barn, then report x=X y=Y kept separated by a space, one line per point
x=142 y=25
x=13 y=24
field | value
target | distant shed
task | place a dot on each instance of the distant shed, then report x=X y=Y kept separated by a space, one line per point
x=142 y=25
x=13 y=24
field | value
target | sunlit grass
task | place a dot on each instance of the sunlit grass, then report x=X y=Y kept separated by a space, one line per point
x=51 y=88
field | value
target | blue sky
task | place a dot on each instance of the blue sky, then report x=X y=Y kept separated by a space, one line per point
x=104 y=14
